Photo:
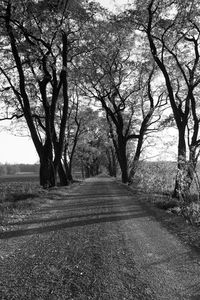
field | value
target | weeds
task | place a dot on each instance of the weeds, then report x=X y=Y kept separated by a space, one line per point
x=155 y=177
x=166 y=203
x=159 y=178
x=16 y=199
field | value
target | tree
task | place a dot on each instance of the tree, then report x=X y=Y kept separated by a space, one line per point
x=90 y=146
x=173 y=31
x=37 y=52
x=80 y=116
x=111 y=158
x=114 y=76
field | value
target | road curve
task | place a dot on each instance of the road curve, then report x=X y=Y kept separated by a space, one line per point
x=129 y=252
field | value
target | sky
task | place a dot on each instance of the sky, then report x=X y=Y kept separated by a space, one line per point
x=15 y=149
x=110 y=4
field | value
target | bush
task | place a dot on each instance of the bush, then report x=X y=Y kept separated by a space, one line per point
x=166 y=203
x=192 y=213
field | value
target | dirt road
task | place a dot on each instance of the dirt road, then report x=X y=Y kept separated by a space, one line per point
x=99 y=242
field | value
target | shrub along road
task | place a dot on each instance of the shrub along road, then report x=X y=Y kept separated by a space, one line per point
x=97 y=242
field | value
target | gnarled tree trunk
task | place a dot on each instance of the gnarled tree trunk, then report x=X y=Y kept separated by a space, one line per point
x=122 y=158
x=47 y=170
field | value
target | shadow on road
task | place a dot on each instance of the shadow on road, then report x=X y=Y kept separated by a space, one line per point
x=81 y=209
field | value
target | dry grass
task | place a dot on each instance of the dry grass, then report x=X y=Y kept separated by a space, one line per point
x=157 y=180
x=17 y=197
x=157 y=177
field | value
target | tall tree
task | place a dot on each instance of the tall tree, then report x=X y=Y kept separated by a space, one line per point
x=39 y=42
x=173 y=32
x=114 y=75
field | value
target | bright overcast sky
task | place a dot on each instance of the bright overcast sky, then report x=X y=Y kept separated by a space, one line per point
x=17 y=149
x=114 y=4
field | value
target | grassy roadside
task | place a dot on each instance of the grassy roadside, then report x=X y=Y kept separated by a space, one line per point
x=19 y=200
x=157 y=203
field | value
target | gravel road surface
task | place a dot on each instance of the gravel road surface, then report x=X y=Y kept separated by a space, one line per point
x=97 y=242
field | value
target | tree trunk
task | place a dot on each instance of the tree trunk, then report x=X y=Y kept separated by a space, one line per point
x=136 y=157
x=122 y=158
x=191 y=168
x=120 y=148
x=123 y=163
x=114 y=163
x=180 y=184
x=69 y=172
x=62 y=175
x=87 y=171
x=68 y=169
x=47 y=172
x=112 y=168
x=82 y=171
x=123 y=166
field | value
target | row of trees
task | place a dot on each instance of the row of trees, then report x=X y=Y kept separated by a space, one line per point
x=12 y=169
x=42 y=44
x=93 y=86
x=172 y=30
x=39 y=44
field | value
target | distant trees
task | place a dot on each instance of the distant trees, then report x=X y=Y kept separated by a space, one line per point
x=93 y=144
x=12 y=169
x=80 y=137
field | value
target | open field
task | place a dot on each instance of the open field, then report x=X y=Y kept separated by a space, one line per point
x=18 y=195
x=17 y=187
x=23 y=177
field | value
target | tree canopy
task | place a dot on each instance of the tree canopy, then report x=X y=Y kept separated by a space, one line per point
x=92 y=86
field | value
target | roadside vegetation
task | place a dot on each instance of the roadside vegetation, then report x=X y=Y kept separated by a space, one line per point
x=21 y=195
x=156 y=181
x=18 y=197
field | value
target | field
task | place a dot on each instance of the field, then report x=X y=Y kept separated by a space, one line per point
x=17 y=195
x=12 y=185
x=21 y=177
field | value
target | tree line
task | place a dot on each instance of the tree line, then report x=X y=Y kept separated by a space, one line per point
x=93 y=87
x=12 y=169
